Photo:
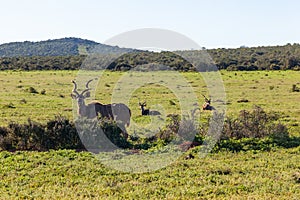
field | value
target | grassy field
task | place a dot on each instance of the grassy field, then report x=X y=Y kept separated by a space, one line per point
x=269 y=89
x=70 y=175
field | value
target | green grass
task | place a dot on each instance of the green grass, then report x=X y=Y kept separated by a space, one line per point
x=64 y=174
x=38 y=107
x=70 y=175
x=269 y=89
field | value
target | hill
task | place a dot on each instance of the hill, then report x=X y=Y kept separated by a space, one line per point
x=69 y=53
x=58 y=47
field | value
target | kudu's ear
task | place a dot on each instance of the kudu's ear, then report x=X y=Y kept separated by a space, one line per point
x=73 y=96
x=87 y=94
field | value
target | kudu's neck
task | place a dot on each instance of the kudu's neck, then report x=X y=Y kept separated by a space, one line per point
x=81 y=107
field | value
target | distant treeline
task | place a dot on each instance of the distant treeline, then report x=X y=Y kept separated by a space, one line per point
x=144 y=60
x=41 y=63
x=254 y=58
x=258 y=58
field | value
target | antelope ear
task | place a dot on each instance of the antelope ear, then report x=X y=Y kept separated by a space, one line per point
x=87 y=94
x=73 y=96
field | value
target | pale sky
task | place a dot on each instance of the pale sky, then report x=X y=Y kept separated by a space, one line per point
x=211 y=23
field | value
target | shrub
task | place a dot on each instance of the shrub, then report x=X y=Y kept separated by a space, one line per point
x=60 y=133
x=188 y=129
x=170 y=131
x=4 y=144
x=23 y=136
x=185 y=132
x=251 y=130
x=255 y=124
x=100 y=135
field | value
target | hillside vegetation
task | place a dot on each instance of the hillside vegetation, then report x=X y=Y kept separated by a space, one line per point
x=58 y=47
x=69 y=54
x=258 y=58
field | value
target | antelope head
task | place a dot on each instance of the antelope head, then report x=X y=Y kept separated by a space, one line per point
x=144 y=111
x=83 y=95
x=142 y=104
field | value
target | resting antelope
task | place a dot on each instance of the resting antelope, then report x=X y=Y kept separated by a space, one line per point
x=116 y=111
x=147 y=111
x=206 y=105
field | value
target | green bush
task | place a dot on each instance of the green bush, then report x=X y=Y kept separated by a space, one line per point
x=170 y=131
x=61 y=133
x=251 y=130
x=253 y=124
x=22 y=136
x=101 y=135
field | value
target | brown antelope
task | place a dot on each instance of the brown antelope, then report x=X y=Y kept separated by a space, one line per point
x=147 y=111
x=116 y=111
x=206 y=105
